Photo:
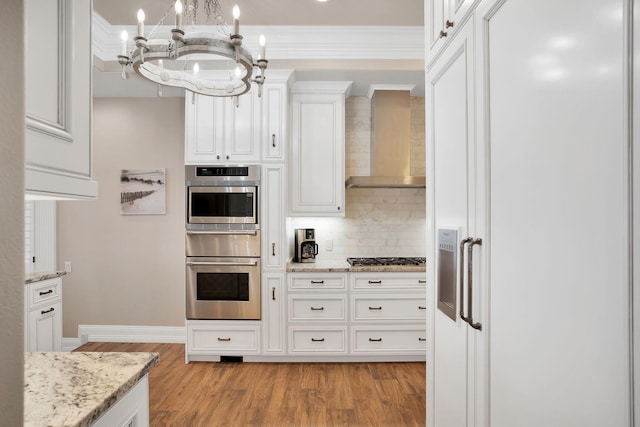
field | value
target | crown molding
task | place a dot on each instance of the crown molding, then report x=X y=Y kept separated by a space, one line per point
x=295 y=42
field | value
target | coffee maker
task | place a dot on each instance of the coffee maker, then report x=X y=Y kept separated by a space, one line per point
x=305 y=247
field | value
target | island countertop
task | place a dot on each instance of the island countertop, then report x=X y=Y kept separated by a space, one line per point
x=75 y=389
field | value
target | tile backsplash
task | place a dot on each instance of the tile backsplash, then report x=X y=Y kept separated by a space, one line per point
x=378 y=221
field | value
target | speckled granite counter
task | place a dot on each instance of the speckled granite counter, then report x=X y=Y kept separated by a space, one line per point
x=37 y=277
x=342 y=266
x=75 y=389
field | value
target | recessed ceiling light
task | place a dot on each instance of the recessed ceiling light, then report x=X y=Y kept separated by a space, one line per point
x=322 y=1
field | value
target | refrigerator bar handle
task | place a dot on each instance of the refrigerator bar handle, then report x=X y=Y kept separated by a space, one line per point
x=469 y=320
x=463 y=242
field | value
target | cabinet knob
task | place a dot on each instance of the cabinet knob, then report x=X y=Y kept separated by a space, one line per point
x=218 y=157
x=227 y=157
x=443 y=34
x=338 y=207
x=448 y=24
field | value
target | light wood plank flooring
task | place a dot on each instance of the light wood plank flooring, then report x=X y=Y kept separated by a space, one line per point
x=279 y=394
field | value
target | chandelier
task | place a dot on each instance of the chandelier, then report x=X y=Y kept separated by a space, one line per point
x=150 y=55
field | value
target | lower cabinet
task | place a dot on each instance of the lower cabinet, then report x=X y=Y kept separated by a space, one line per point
x=131 y=410
x=314 y=340
x=273 y=304
x=209 y=339
x=43 y=316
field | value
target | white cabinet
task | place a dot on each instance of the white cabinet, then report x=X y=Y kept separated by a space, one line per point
x=273 y=320
x=443 y=18
x=273 y=219
x=317 y=148
x=208 y=339
x=58 y=99
x=317 y=313
x=132 y=410
x=219 y=131
x=43 y=315
x=514 y=170
x=275 y=121
x=388 y=312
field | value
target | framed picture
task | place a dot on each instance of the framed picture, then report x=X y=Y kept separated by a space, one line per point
x=142 y=192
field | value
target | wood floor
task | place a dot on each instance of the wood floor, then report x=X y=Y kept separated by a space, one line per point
x=279 y=394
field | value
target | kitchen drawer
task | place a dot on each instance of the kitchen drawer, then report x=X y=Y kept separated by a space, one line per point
x=317 y=281
x=225 y=340
x=45 y=292
x=387 y=281
x=317 y=340
x=388 y=307
x=302 y=307
x=389 y=339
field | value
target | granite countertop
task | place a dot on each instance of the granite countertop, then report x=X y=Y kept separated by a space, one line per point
x=75 y=389
x=342 y=266
x=44 y=275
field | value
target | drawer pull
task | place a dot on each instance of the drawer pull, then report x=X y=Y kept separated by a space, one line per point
x=420 y=307
x=317 y=339
x=273 y=138
x=317 y=308
x=273 y=293
x=422 y=339
x=422 y=281
x=224 y=339
x=47 y=311
x=375 y=282
x=375 y=308
x=317 y=282
x=375 y=339
x=50 y=291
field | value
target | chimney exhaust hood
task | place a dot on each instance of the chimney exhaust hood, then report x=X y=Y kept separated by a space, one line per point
x=390 y=157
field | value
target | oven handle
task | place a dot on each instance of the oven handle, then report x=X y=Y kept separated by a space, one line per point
x=223 y=232
x=248 y=264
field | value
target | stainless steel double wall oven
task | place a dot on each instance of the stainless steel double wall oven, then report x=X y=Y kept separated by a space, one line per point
x=222 y=242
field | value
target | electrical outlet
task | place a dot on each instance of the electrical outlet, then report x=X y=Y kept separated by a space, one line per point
x=67 y=266
x=328 y=245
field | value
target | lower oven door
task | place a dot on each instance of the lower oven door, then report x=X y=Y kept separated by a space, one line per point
x=223 y=288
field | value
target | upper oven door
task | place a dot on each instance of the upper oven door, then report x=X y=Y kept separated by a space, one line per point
x=222 y=205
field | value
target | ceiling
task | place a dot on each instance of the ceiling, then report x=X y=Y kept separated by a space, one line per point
x=364 y=41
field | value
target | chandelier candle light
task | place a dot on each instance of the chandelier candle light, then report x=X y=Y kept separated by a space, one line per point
x=148 y=56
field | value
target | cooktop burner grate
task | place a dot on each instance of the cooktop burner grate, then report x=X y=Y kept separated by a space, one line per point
x=357 y=262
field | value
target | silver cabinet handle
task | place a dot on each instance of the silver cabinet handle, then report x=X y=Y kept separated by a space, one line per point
x=316 y=308
x=317 y=339
x=224 y=339
x=273 y=140
x=469 y=318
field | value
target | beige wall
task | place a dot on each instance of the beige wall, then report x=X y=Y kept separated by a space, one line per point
x=127 y=269
x=11 y=213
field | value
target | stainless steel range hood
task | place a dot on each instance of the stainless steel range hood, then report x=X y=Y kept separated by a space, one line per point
x=390 y=157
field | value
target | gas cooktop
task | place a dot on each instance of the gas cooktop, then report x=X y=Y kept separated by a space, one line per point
x=358 y=262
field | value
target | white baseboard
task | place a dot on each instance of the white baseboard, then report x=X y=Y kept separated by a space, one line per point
x=118 y=333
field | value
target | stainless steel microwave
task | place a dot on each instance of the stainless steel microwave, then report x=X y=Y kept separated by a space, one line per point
x=222 y=195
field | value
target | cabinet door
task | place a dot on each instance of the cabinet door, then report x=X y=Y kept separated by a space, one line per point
x=444 y=17
x=450 y=148
x=45 y=328
x=274 y=135
x=242 y=119
x=273 y=216
x=58 y=99
x=204 y=130
x=274 y=313
x=317 y=163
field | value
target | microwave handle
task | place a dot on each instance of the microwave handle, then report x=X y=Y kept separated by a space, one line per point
x=249 y=264
x=223 y=232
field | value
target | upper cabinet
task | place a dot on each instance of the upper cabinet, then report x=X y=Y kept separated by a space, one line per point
x=317 y=148
x=442 y=20
x=58 y=99
x=247 y=130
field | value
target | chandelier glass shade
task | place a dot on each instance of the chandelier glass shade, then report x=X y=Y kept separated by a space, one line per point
x=150 y=55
